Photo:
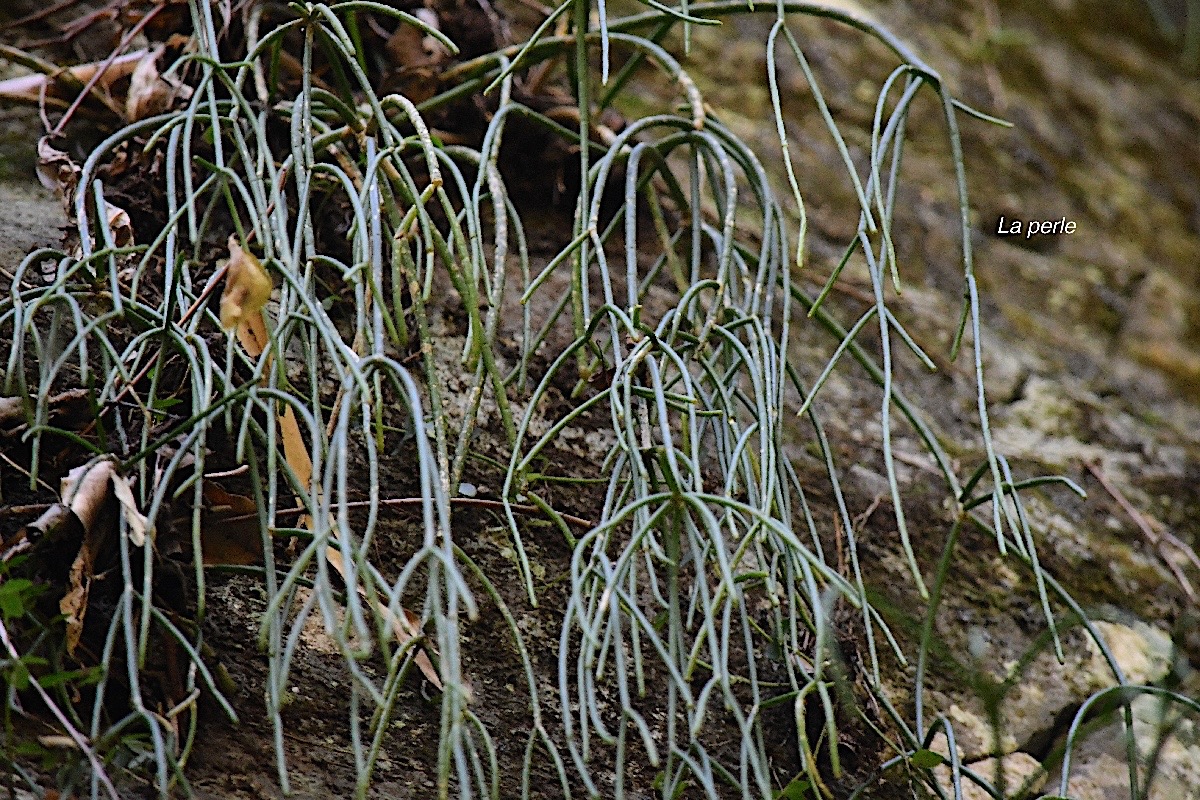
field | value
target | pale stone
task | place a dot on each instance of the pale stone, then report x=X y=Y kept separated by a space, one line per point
x=1142 y=651
x=1103 y=778
x=1017 y=769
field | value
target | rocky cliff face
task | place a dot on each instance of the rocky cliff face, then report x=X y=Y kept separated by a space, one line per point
x=1091 y=327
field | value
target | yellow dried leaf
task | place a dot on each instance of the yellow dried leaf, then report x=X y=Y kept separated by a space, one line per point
x=247 y=287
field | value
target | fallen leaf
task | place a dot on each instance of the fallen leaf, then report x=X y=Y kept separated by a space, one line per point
x=73 y=604
x=229 y=528
x=70 y=410
x=411 y=47
x=119 y=225
x=404 y=627
x=149 y=92
x=247 y=288
x=85 y=489
x=139 y=526
x=58 y=172
x=30 y=88
x=54 y=524
x=85 y=492
x=12 y=409
x=415 y=57
x=60 y=742
x=295 y=451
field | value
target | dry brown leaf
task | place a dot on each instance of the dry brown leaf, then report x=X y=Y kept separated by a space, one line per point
x=85 y=490
x=411 y=47
x=247 y=289
x=415 y=57
x=88 y=487
x=73 y=604
x=229 y=530
x=406 y=626
x=71 y=410
x=119 y=224
x=149 y=92
x=60 y=742
x=295 y=451
x=29 y=88
x=51 y=524
x=139 y=526
x=58 y=172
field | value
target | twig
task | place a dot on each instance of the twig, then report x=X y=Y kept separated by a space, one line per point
x=27 y=473
x=39 y=15
x=125 y=41
x=1151 y=531
x=76 y=736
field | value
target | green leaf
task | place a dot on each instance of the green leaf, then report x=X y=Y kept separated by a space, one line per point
x=927 y=759
x=79 y=677
x=797 y=789
x=661 y=777
x=18 y=676
x=13 y=597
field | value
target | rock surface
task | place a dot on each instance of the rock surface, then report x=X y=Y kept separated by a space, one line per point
x=1090 y=344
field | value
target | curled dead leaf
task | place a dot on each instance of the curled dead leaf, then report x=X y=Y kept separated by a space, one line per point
x=139 y=526
x=59 y=742
x=411 y=47
x=73 y=604
x=57 y=172
x=86 y=488
x=87 y=492
x=247 y=287
x=70 y=410
x=150 y=92
x=119 y=225
x=415 y=57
